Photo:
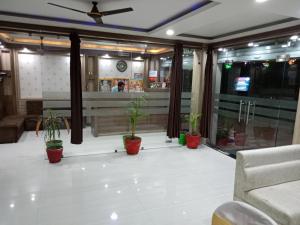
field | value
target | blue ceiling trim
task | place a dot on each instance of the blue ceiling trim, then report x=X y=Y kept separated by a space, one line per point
x=193 y=8
x=92 y=23
x=65 y=20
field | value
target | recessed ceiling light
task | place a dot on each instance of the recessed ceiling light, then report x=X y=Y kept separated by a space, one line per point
x=294 y=38
x=170 y=32
x=268 y=47
x=261 y=1
x=114 y=216
x=251 y=44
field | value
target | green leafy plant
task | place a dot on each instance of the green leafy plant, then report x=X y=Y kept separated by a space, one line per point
x=135 y=113
x=52 y=126
x=193 y=119
x=222 y=133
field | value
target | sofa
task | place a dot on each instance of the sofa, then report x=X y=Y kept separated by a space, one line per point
x=11 y=126
x=269 y=179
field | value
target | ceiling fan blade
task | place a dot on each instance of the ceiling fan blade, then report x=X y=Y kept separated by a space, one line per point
x=117 y=11
x=98 y=19
x=61 y=6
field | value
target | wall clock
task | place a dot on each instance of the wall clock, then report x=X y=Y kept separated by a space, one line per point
x=121 y=66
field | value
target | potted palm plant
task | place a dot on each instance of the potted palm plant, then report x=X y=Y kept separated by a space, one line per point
x=193 y=138
x=133 y=142
x=54 y=146
x=222 y=137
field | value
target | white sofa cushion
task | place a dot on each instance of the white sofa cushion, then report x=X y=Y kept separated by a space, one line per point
x=281 y=202
x=271 y=174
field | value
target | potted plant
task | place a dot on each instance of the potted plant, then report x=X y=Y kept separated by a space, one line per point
x=54 y=146
x=222 y=137
x=193 y=138
x=133 y=142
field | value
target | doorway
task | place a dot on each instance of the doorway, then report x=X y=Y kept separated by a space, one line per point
x=256 y=104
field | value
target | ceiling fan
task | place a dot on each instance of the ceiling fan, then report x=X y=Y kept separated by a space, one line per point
x=95 y=13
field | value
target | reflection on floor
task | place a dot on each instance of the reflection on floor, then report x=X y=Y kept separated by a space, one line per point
x=167 y=186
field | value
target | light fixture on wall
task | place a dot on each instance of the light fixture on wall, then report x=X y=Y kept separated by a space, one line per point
x=294 y=37
x=106 y=56
x=252 y=44
x=138 y=58
x=25 y=50
x=261 y=1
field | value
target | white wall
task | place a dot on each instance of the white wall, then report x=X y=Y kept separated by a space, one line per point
x=38 y=73
x=107 y=68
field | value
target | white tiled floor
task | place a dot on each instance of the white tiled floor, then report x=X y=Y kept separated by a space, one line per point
x=167 y=186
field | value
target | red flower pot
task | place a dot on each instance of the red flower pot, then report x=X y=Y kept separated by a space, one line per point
x=222 y=142
x=54 y=155
x=192 y=141
x=133 y=145
x=240 y=139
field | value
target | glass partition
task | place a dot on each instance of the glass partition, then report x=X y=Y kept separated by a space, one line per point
x=121 y=76
x=256 y=96
x=187 y=78
x=113 y=75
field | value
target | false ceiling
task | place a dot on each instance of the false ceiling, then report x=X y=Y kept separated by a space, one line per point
x=192 y=20
x=23 y=40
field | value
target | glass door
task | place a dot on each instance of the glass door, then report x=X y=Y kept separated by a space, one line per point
x=256 y=105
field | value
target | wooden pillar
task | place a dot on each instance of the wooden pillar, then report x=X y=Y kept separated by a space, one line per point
x=198 y=81
x=199 y=61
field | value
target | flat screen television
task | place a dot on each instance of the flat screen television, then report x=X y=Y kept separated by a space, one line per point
x=242 y=84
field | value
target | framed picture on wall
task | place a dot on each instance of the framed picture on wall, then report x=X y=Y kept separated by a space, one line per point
x=105 y=86
x=138 y=76
x=136 y=86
